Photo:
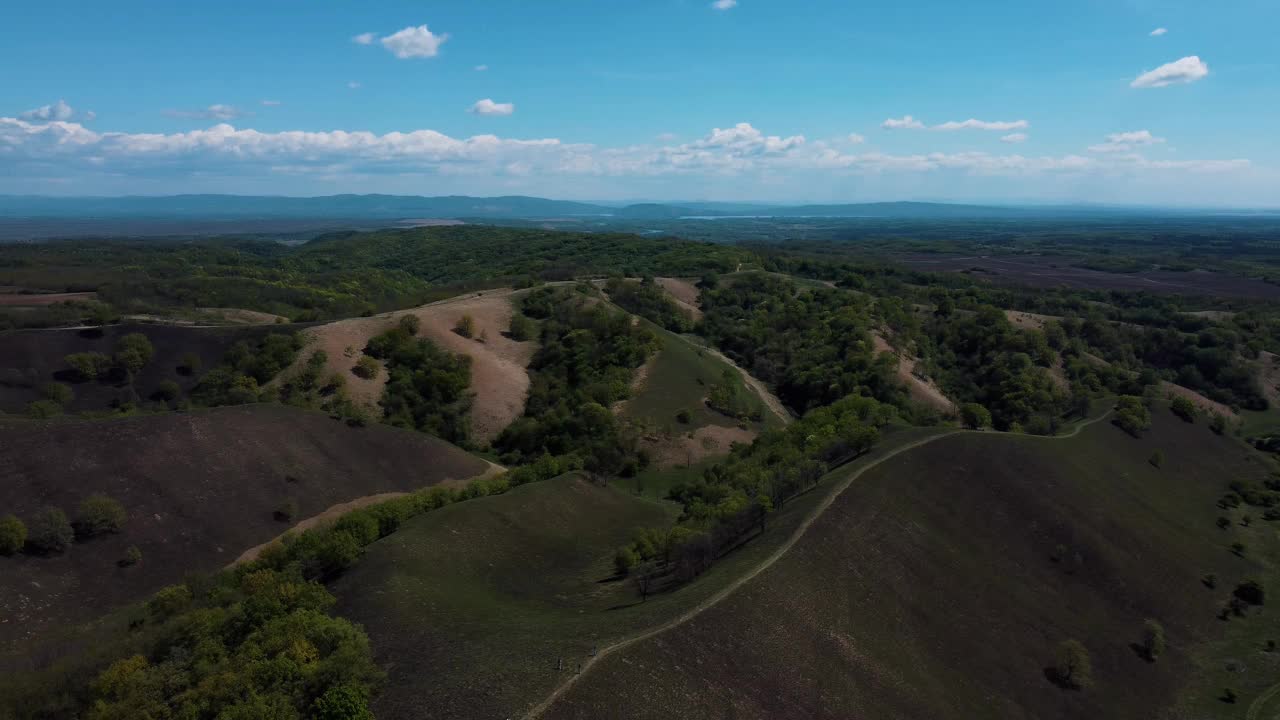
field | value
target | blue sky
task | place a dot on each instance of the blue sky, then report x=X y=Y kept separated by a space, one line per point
x=797 y=101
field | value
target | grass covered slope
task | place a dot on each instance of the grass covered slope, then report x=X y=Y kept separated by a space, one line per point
x=470 y=607
x=199 y=488
x=930 y=589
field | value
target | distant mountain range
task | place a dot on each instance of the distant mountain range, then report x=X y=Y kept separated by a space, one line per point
x=411 y=207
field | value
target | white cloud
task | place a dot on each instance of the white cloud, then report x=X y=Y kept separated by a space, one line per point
x=213 y=112
x=724 y=4
x=1187 y=70
x=1014 y=138
x=481 y=68
x=666 y=137
x=353 y=85
x=363 y=38
x=972 y=124
x=59 y=149
x=489 y=107
x=271 y=103
x=59 y=111
x=1126 y=141
x=414 y=42
x=906 y=122
x=1159 y=31
x=856 y=139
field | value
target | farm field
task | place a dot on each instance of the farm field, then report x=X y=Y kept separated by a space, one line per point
x=936 y=583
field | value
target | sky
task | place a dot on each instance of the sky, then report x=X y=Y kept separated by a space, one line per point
x=1152 y=102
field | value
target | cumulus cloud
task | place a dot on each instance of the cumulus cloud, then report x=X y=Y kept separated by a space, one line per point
x=60 y=149
x=972 y=124
x=1126 y=141
x=856 y=139
x=364 y=38
x=213 y=112
x=724 y=4
x=1187 y=70
x=59 y=111
x=414 y=42
x=1159 y=31
x=906 y=122
x=481 y=68
x=1014 y=138
x=489 y=107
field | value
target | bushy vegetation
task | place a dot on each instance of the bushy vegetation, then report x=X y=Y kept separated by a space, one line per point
x=100 y=514
x=51 y=531
x=1072 y=667
x=586 y=363
x=1132 y=415
x=245 y=368
x=13 y=535
x=427 y=388
x=649 y=301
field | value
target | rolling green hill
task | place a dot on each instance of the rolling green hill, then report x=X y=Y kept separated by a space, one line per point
x=940 y=583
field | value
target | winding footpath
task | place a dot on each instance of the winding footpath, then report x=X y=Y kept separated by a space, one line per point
x=538 y=710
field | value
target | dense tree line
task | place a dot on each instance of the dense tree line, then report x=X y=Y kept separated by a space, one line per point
x=427 y=388
x=586 y=362
x=245 y=369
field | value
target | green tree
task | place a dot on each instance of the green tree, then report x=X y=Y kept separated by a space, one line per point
x=975 y=416
x=1183 y=408
x=625 y=560
x=43 y=409
x=13 y=535
x=168 y=391
x=410 y=323
x=1073 y=667
x=343 y=702
x=466 y=326
x=100 y=514
x=132 y=556
x=133 y=352
x=1156 y=459
x=1152 y=639
x=366 y=367
x=190 y=364
x=51 y=531
x=1218 y=423
x=522 y=328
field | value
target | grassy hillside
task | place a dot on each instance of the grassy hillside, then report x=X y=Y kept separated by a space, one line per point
x=936 y=587
x=199 y=488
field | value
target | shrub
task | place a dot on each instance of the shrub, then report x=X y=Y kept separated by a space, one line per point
x=625 y=560
x=1238 y=548
x=51 y=531
x=132 y=556
x=168 y=391
x=1218 y=423
x=88 y=365
x=100 y=514
x=169 y=601
x=1131 y=415
x=683 y=417
x=190 y=364
x=1156 y=459
x=522 y=328
x=133 y=352
x=366 y=367
x=1152 y=639
x=974 y=416
x=1183 y=408
x=13 y=535
x=410 y=324
x=343 y=702
x=466 y=326
x=1073 y=668
x=58 y=392
x=43 y=409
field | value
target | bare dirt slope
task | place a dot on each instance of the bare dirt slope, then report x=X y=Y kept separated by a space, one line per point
x=1028 y=321
x=1212 y=407
x=199 y=488
x=684 y=293
x=498 y=376
x=922 y=390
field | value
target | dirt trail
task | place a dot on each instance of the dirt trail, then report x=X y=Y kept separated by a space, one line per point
x=921 y=390
x=341 y=509
x=542 y=707
x=683 y=293
x=770 y=400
